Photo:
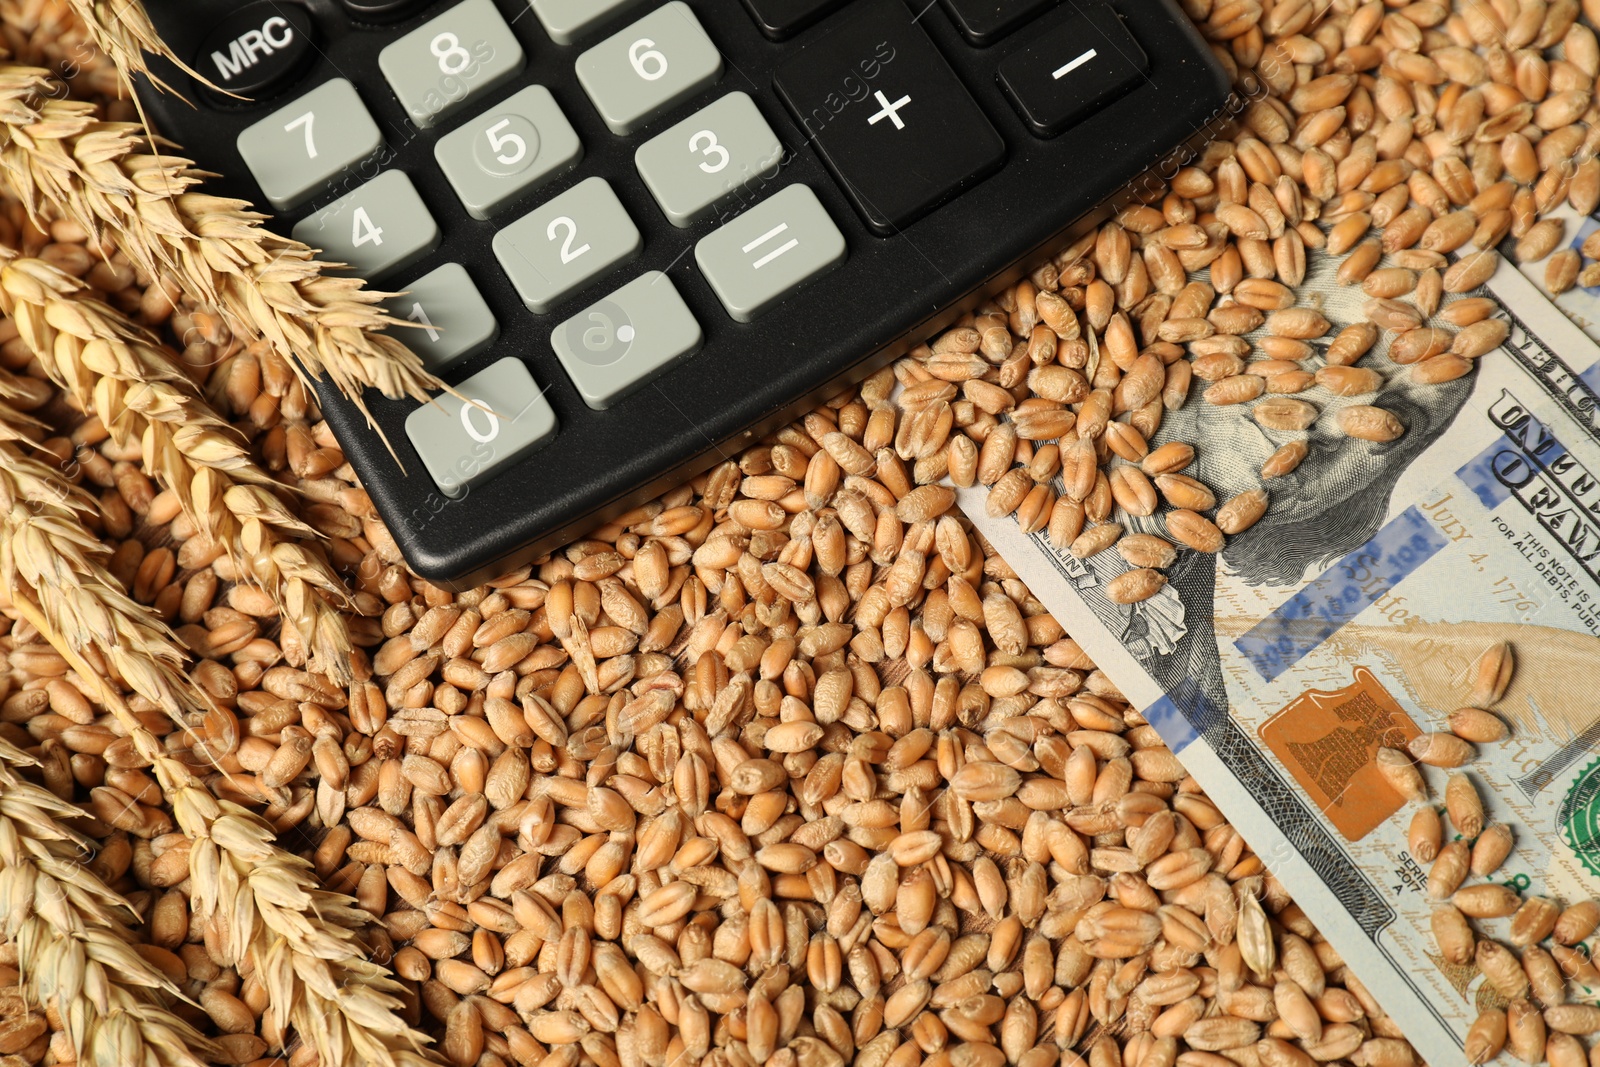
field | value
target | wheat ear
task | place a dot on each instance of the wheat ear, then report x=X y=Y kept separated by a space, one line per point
x=123 y=31
x=119 y=371
x=59 y=157
x=261 y=902
x=72 y=934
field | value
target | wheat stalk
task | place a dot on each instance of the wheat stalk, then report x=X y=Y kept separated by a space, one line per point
x=120 y=372
x=261 y=902
x=59 y=157
x=73 y=937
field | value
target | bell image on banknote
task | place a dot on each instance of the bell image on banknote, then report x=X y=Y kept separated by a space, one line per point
x=1391 y=682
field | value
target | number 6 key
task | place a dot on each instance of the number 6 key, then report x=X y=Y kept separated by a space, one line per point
x=650 y=67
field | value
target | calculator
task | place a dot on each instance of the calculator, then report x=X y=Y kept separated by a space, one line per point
x=636 y=236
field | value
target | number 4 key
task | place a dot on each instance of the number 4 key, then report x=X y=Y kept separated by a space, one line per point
x=375 y=230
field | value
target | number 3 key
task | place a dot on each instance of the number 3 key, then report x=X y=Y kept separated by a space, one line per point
x=709 y=158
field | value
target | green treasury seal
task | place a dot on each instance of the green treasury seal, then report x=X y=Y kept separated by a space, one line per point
x=1579 y=817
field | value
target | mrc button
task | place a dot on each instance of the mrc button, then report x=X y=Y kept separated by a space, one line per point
x=256 y=48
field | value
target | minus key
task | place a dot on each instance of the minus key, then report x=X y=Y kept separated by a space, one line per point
x=1075 y=67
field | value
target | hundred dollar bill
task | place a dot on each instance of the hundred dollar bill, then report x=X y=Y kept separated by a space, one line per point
x=1581 y=305
x=1353 y=617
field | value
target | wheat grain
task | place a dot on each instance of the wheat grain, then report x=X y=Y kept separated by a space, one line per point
x=720 y=575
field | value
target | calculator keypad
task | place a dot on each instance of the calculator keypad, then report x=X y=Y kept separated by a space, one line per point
x=294 y=151
x=613 y=347
x=514 y=147
x=379 y=228
x=566 y=20
x=451 y=59
x=566 y=243
x=452 y=320
x=504 y=416
x=708 y=158
x=653 y=65
x=767 y=253
x=618 y=223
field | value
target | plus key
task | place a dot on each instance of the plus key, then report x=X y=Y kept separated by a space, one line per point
x=888 y=116
x=890 y=111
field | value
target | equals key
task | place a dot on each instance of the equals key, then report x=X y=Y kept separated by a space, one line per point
x=1073 y=69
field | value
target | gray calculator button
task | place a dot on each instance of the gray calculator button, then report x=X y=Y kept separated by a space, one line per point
x=296 y=149
x=566 y=243
x=762 y=256
x=450 y=59
x=380 y=227
x=708 y=158
x=659 y=61
x=564 y=20
x=616 y=345
x=461 y=443
x=452 y=320
x=517 y=145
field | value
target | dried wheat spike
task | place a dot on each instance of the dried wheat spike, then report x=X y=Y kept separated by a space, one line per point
x=59 y=157
x=74 y=931
x=262 y=903
x=123 y=31
x=117 y=370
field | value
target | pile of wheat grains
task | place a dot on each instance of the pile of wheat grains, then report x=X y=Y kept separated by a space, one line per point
x=787 y=767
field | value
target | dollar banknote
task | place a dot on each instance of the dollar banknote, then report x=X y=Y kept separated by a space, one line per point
x=1581 y=304
x=1354 y=616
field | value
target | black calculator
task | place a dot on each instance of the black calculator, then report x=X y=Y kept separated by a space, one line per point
x=636 y=236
